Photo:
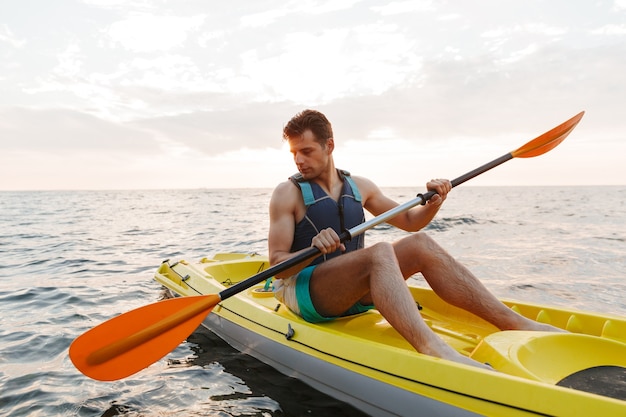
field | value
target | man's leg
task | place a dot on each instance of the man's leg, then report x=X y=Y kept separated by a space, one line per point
x=374 y=273
x=454 y=283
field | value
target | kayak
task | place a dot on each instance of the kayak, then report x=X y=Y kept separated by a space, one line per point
x=363 y=361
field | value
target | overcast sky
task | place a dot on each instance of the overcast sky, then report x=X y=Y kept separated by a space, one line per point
x=112 y=94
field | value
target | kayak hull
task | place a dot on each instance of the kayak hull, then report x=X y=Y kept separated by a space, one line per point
x=362 y=360
x=334 y=380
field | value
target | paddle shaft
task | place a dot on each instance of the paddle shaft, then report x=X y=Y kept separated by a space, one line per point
x=421 y=199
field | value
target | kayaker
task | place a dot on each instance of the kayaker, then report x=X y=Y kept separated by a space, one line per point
x=314 y=206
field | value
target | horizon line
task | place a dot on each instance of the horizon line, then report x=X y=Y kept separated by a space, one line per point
x=271 y=188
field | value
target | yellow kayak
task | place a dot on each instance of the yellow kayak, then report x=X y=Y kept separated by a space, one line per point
x=363 y=361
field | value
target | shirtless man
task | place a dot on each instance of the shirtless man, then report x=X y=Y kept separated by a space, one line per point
x=350 y=278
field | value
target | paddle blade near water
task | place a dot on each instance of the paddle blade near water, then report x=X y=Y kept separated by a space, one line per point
x=134 y=340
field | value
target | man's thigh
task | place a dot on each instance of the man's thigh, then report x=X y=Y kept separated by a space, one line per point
x=339 y=283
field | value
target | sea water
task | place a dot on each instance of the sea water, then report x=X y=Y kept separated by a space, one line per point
x=73 y=259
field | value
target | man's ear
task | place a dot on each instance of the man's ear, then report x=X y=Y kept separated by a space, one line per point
x=330 y=145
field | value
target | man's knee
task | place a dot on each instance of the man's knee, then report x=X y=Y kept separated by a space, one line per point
x=382 y=251
x=417 y=242
x=416 y=251
x=422 y=238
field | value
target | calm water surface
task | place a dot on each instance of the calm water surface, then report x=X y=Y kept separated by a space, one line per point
x=74 y=259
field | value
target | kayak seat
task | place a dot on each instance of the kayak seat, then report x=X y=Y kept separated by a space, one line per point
x=547 y=356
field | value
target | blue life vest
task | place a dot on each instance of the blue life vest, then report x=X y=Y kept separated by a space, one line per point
x=323 y=212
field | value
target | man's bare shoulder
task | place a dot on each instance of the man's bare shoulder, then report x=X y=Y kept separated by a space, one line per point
x=374 y=200
x=285 y=187
x=285 y=193
x=287 y=201
x=367 y=187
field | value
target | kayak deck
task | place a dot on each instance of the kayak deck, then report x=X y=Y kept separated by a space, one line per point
x=367 y=345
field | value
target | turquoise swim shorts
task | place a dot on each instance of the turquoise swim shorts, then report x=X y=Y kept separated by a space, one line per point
x=307 y=310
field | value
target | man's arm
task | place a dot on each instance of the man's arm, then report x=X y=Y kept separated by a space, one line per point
x=284 y=205
x=411 y=220
x=282 y=223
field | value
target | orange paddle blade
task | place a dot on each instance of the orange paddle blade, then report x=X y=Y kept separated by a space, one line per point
x=548 y=140
x=134 y=340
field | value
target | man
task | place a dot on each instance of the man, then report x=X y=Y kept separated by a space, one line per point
x=313 y=207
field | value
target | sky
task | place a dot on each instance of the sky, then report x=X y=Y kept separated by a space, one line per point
x=138 y=94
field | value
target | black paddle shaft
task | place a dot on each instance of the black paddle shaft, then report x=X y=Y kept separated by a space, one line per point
x=474 y=173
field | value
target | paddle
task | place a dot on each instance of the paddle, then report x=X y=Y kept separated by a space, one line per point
x=132 y=341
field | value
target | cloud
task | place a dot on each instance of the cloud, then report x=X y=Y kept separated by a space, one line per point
x=250 y=125
x=58 y=131
x=332 y=63
x=148 y=33
x=70 y=62
x=264 y=18
x=479 y=99
x=470 y=98
x=8 y=37
x=401 y=7
x=610 y=30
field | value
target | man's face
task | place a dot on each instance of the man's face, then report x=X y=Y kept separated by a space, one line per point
x=310 y=156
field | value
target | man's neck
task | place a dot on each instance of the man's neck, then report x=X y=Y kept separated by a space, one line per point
x=330 y=181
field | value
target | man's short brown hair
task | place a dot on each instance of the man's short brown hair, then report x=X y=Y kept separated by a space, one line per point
x=311 y=120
